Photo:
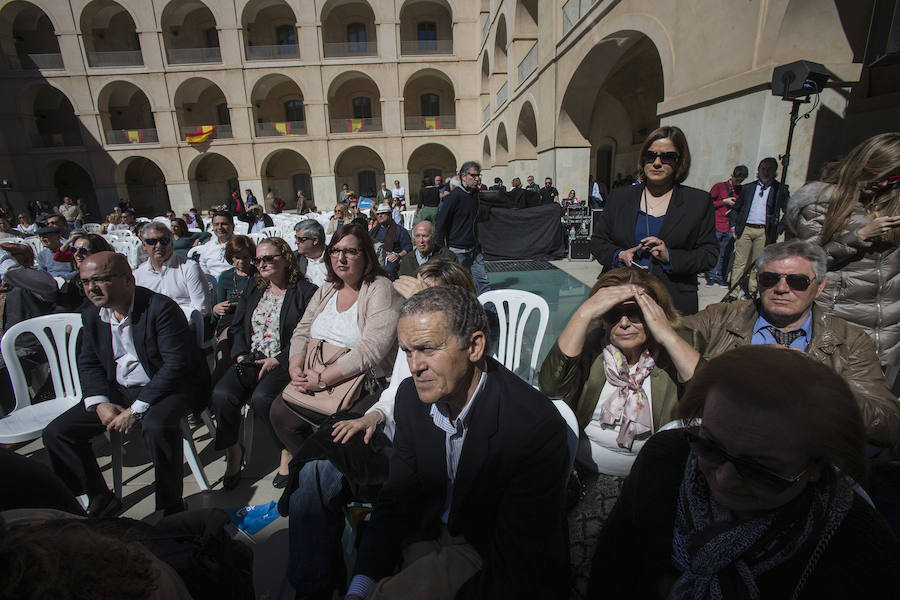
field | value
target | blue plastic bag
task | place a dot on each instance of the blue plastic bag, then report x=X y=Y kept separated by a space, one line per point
x=251 y=519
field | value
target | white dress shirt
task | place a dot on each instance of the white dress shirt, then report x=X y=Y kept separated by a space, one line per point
x=212 y=258
x=129 y=371
x=316 y=270
x=180 y=279
x=398 y=192
x=757 y=214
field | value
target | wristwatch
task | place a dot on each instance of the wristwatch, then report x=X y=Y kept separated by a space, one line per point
x=137 y=416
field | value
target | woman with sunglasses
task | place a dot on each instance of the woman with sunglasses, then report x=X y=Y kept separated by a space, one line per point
x=75 y=250
x=661 y=225
x=854 y=214
x=260 y=334
x=356 y=309
x=621 y=365
x=756 y=498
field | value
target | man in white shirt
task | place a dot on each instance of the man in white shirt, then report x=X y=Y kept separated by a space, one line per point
x=310 y=238
x=399 y=191
x=168 y=273
x=212 y=253
x=137 y=364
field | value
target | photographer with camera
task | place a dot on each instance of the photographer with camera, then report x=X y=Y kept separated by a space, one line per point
x=260 y=333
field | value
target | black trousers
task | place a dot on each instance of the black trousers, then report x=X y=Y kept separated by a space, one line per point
x=229 y=396
x=68 y=441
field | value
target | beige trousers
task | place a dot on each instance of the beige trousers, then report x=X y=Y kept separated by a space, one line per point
x=432 y=570
x=747 y=249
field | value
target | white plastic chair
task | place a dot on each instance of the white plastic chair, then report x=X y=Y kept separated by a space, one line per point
x=269 y=231
x=58 y=335
x=513 y=309
x=241 y=228
x=572 y=425
x=34 y=243
x=409 y=216
x=92 y=228
x=257 y=237
x=129 y=249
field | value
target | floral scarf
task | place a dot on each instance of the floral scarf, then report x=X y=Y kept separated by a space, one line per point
x=629 y=404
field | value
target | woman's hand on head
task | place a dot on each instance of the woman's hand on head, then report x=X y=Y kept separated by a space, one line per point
x=605 y=299
x=408 y=286
x=655 y=319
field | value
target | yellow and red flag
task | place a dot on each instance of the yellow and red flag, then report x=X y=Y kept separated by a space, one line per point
x=355 y=125
x=283 y=128
x=201 y=135
x=432 y=122
x=135 y=136
x=57 y=139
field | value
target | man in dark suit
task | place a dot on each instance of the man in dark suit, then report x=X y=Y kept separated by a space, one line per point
x=310 y=238
x=477 y=478
x=138 y=363
x=757 y=218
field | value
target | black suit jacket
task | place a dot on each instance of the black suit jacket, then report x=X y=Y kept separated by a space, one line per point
x=689 y=231
x=165 y=346
x=296 y=297
x=775 y=206
x=249 y=218
x=508 y=498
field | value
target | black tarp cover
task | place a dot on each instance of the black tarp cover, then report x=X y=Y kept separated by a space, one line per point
x=522 y=234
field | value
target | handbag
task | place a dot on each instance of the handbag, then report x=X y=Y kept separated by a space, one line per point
x=247 y=370
x=332 y=399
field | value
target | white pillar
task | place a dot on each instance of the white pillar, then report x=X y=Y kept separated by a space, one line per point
x=180 y=197
x=323 y=189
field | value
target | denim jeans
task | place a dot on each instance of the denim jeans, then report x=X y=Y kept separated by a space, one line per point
x=717 y=274
x=473 y=260
x=316 y=523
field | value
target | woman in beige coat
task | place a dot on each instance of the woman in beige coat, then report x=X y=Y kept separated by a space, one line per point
x=854 y=215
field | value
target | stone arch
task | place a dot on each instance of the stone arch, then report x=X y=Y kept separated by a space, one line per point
x=71 y=179
x=142 y=181
x=50 y=117
x=337 y=18
x=212 y=177
x=124 y=106
x=501 y=154
x=27 y=31
x=344 y=112
x=190 y=33
x=485 y=74
x=501 y=41
x=199 y=101
x=526 y=22
x=284 y=171
x=107 y=27
x=270 y=30
x=359 y=167
x=486 y=154
x=425 y=160
x=431 y=82
x=273 y=101
x=438 y=14
x=526 y=132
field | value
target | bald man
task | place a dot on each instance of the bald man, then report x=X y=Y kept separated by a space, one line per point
x=425 y=249
x=138 y=363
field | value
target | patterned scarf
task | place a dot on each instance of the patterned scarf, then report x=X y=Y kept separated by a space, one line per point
x=629 y=404
x=721 y=558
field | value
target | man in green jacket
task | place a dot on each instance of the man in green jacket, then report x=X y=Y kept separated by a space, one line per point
x=426 y=249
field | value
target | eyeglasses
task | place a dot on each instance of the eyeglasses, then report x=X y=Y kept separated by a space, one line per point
x=104 y=279
x=301 y=239
x=164 y=241
x=750 y=471
x=666 y=158
x=614 y=315
x=348 y=252
x=265 y=259
x=82 y=251
x=476 y=175
x=795 y=281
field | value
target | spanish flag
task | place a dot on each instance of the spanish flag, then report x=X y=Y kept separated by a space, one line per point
x=201 y=135
x=355 y=125
x=283 y=128
x=432 y=122
x=57 y=139
x=135 y=136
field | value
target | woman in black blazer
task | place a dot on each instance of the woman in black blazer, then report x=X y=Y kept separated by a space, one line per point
x=661 y=225
x=260 y=332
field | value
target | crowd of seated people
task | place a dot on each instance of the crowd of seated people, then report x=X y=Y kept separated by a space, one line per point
x=722 y=452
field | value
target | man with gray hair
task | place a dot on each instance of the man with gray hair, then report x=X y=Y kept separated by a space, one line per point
x=790 y=276
x=310 y=238
x=425 y=250
x=478 y=472
x=170 y=274
x=456 y=226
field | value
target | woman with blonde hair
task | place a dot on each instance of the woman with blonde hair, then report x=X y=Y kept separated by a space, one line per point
x=338 y=219
x=854 y=213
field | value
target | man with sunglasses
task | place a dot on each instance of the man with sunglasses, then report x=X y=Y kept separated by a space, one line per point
x=170 y=274
x=310 y=238
x=137 y=364
x=791 y=275
x=757 y=218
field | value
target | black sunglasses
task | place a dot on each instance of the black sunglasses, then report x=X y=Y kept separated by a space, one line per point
x=795 y=281
x=614 y=315
x=300 y=239
x=81 y=250
x=666 y=158
x=264 y=259
x=750 y=471
x=154 y=241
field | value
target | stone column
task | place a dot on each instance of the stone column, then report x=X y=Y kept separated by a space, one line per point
x=180 y=197
x=323 y=189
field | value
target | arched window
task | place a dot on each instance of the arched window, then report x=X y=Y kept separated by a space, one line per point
x=426 y=34
x=293 y=110
x=430 y=104
x=356 y=37
x=286 y=35
x=366 y=180
x=222 y=114
x=362 y=108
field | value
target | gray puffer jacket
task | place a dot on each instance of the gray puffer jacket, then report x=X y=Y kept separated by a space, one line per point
x=863 y=277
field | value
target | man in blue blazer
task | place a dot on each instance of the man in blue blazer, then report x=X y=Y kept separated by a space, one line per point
x=474 y=503
x=138 y=363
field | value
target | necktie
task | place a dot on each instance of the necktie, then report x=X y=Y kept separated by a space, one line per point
x=784 y=338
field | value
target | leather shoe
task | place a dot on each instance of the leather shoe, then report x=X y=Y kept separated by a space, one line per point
x=279 y=481
x=229 y=482
x=105 y=505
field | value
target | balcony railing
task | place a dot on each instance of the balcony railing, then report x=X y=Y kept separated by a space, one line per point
x=125 y=58
x=131 y=136
x=221 y=132
x=280 y=52
x=355 y=125
x=486 y=114
x=430 y=123
x=48 y=62
x=56 y=140
x=345 y=49
x=274 y=129
x=573 y=10
x=529 y=63
x=192 y=56
x=421 y=47
x=501 y=93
